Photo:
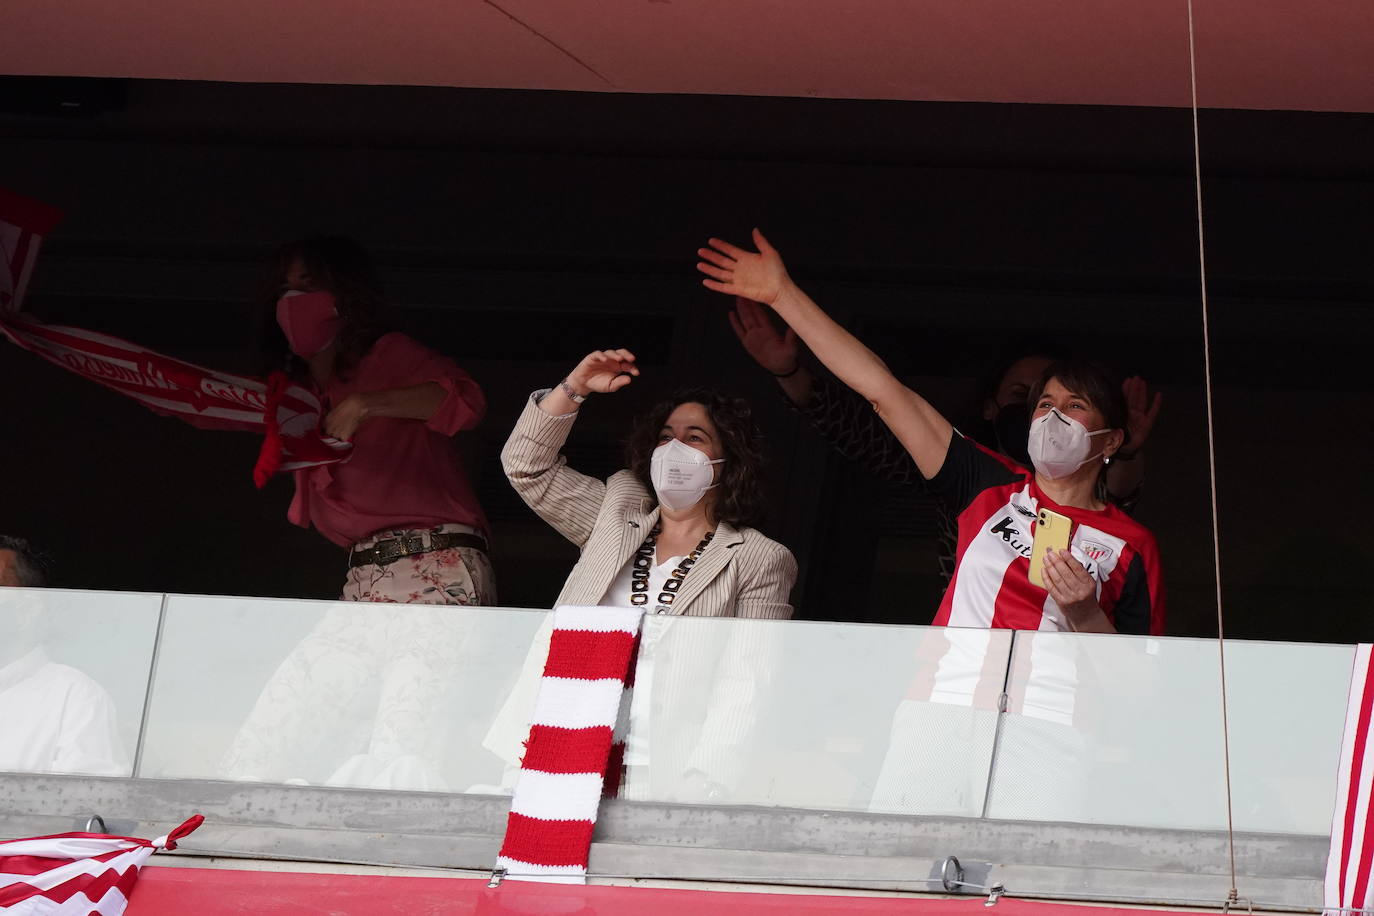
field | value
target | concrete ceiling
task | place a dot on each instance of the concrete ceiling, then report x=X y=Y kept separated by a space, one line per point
x=1281 y=54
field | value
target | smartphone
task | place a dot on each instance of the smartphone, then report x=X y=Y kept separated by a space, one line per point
x=1051 y=533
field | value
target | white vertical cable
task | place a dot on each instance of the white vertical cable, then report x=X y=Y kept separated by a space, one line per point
x=1211 y=454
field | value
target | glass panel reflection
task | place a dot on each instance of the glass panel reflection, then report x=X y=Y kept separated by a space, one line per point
x=813 y=715
x=1127 y=730
x=73 y=676
x=334 y=693
x=1287 y=715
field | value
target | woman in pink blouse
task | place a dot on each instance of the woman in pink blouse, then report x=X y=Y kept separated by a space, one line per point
x=402 y=502
x=403 y=506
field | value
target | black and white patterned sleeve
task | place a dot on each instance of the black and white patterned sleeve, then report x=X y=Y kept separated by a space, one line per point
x=850 y=425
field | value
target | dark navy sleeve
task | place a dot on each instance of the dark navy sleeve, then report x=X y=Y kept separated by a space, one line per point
x=969 y=469
x=1131 y=613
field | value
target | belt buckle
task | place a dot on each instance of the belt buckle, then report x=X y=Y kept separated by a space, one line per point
x=388 y=550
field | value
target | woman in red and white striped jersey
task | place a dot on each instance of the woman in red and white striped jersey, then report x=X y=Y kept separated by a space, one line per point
x=1109 y=580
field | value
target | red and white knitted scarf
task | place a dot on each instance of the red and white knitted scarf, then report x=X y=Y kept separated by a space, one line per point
x=576 y=743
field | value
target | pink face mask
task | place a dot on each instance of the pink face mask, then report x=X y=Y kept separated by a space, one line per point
x=310 y=321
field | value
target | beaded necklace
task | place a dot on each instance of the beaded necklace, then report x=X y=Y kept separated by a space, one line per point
x=644 y=560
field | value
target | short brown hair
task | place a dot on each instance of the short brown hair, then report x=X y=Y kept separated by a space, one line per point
x=1094 y=381
x=740 y=502
x=1101 y=387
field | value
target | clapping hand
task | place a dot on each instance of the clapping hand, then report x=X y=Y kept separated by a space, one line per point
x=772 y=349
x=734 y=271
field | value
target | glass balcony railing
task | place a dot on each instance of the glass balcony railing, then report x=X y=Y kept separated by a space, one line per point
x=335 y=693
x=73 y=679
x=842 y=717
x=1128 y=730
x=898 y=720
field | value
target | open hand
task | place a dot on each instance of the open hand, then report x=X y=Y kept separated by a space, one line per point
x=603 y=371
x=773 y=350
x=734 y=271
x=1141 y=412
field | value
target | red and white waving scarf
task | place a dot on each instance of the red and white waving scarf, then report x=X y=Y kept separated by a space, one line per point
x=287 y=415
x=76 y=874
x=1350 y=865
x=579 y=715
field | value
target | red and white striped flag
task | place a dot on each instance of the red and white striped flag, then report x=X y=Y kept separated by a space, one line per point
x=23 y=223
x=1350 y=864
x=563 y=772
x=287 y=414
x=76 y=874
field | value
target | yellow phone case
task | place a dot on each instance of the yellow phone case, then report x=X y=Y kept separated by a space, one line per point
x=1051 y=533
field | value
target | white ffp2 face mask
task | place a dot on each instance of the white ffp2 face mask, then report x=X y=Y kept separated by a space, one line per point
x=1060 y=445
x=681 y=475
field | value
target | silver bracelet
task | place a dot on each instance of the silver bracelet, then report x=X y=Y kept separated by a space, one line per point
x=572 y=395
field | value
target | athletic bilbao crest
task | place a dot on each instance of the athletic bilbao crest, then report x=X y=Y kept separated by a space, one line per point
x=1095 y=551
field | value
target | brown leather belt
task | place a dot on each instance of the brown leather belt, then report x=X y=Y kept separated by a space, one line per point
x=389 y=550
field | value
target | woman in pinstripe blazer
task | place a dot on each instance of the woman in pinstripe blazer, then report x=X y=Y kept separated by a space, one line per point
x=738 y=572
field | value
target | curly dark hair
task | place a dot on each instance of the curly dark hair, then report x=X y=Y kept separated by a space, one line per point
x=343 y=267
x=740 y=502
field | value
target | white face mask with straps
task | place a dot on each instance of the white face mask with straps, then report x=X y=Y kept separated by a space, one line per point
x=1060 y=445
x=681 y=475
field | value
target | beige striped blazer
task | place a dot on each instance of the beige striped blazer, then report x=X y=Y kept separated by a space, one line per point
x=742 y=573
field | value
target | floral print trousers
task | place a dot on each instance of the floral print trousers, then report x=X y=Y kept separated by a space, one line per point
x=361 y=700
x=455 y=575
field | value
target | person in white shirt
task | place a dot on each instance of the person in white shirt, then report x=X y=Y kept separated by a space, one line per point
x=57 y=719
